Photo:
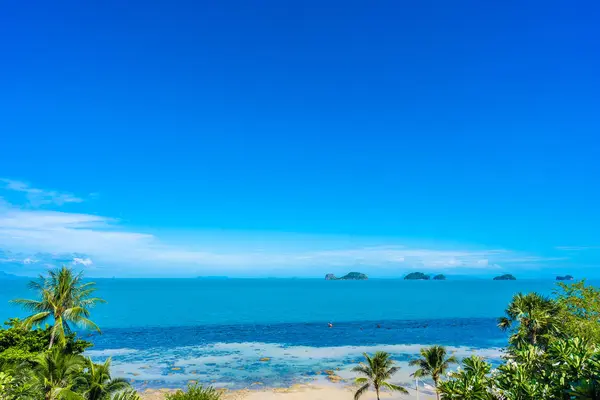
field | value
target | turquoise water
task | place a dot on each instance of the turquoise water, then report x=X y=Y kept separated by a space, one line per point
x=164 y=332
x=191 y=302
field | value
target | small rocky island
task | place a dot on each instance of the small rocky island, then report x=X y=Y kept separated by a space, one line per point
x=439 y=277
x=505 y=277
x=564 y=278
x=352 y=276
x=417 y=276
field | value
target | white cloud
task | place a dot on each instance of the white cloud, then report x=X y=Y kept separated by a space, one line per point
x=104 y=241
x=577 y=248
x=44 y=237
x=38 y=197
x=83 y=261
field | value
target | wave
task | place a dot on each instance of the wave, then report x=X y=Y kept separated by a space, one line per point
x=109 y=352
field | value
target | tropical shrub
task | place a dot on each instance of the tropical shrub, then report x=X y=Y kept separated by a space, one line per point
x=129 y=394
x=97 y=382
x=6 y=385
x=580 y=310
x=471 y=382
x=195 y=392
x=553 y=354
x=18 y=344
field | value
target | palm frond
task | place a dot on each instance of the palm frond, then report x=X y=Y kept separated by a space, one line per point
x=395 y=388
x=361 y=391
x=35 y=319
x=363 y=369
x=30 y=305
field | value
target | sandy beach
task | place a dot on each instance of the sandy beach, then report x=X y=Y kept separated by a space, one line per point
x=300 y=392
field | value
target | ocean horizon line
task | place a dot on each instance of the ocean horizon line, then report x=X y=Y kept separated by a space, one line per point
x=312 y=278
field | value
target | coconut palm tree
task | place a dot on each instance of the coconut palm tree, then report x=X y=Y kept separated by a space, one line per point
x=99 y=385
x=377 y=370
x=532 y=316
x=434 y=362
x=57 y=373
x=63 y=297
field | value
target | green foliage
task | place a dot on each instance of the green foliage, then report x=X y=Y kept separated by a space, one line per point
x=128 y=394
x=18 y=344
x=376 y=373
x=580 y=310
x=434 y=362
x=567 y=368
x=554 y=351
x=65 y=299
x=532 y=319
x=98 y=383
x=472 y=382
x=58 y=374
x=6 y=387
x=31 y=368
x=195 y=392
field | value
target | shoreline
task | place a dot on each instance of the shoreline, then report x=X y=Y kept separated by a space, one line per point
x=243 y=366
x=300 y=392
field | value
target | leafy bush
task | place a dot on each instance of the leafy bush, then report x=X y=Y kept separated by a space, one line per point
x=554 y=351
x=18 y=344
x=126 y=395
x=580 y=304
x=6 y=383
x=195 y=392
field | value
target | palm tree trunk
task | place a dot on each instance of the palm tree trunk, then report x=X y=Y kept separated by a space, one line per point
x=377 y=391
x=417 y=386
x=51 y=340
x=435 y=382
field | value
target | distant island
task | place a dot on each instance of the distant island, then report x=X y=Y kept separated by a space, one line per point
x=352 y=276
x=439 y=277
x=564 y=278
x=417 y=276
x=505 y=277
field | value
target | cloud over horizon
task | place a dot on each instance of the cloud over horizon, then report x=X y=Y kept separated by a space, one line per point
x=38 y=197
x=35 y=238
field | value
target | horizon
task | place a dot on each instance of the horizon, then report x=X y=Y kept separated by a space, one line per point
x=452 y=277
x=163 y=140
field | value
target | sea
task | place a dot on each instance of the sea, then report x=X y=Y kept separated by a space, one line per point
x=244 y=333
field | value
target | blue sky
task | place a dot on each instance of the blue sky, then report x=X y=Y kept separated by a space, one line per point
x=299 y=138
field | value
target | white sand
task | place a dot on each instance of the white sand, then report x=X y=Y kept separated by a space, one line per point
x=302 y=392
